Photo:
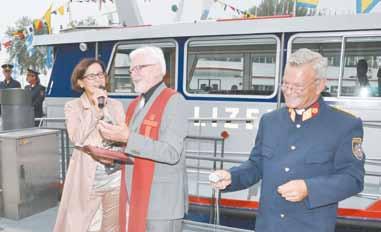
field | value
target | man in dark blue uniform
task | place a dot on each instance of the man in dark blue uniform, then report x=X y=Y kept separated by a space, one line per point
x=37 y=91
x=307 y=154
x=8 y=81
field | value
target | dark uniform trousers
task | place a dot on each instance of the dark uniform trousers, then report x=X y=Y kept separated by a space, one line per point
x=319 y=150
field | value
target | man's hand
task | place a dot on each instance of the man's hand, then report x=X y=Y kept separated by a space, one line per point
x=294 y=190
x=224 y=179
x=113 y=132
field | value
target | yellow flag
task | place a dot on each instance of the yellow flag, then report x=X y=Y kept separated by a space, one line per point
x=307 y=3
x=365 y=6
x=47 y=18
x=61 y=10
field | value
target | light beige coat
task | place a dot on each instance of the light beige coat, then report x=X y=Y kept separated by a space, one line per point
x=76 y=210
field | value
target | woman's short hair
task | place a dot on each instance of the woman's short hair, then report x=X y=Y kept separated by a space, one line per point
x=80 y=70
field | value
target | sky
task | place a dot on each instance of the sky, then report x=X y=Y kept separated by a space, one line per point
x=152 y=11
x=151 y=8
x=35 y=9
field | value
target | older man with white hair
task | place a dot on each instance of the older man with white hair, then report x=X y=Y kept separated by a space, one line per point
x=154 y=136
x=307 y=154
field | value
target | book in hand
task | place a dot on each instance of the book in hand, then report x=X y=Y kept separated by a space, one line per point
x=105 y=153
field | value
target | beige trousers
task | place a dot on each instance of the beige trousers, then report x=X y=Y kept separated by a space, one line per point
x=106 y=217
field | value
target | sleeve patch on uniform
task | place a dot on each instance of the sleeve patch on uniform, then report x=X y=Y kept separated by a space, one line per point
x=357 y=148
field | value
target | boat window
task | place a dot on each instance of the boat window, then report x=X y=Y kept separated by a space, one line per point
x=120 y=80
x=329 y=47
x=362 y=67
x=234 y=66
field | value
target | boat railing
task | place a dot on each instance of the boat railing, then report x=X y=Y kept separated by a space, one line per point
x=375 y=164
x=190 y=226
x=43 y=122
x=216 y=195
x=216 y=157
x=65 y=148
x=372 y=124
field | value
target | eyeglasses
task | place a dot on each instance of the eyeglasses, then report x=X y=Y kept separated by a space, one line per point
x=297 y=89
x=93 y=76
x=138 y=68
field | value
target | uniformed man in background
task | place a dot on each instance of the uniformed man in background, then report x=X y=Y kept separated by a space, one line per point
x=37 y=92
x=308 y=155
x=8 y=81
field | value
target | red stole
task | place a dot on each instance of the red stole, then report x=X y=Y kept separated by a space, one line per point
x=143 y=168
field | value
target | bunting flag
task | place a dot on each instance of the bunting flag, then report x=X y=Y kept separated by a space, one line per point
x=28 y=45
x=37 y=25
x=29 y=29
x=19 y=34
x=246 y=14
x=61 y=10
x=49 y=57
x=47 y=18
x=307 y=3
x=7 y=43
x=365 y=6
x=207 y=4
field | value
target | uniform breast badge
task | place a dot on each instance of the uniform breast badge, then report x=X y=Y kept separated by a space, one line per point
x=357 y=148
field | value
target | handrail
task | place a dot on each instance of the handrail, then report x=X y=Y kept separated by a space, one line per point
x=237 y=161
x=205 y=227
x=207 y=119
x=373 y=196
x=372 y=124
x=216 y=195
x=369 y=195
x=206 y=138
x=51 y=119
x=371 y=173
x=208 y=158
x=46 y=119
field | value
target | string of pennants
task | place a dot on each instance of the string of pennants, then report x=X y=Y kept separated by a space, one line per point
x=26 y=34
x=94 y=1
x=104 y=1
x=226 y=6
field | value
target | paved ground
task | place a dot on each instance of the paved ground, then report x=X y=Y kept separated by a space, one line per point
x=41 y=222
x=44 y=222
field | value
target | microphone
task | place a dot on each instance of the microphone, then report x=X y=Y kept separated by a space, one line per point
x=101 y=99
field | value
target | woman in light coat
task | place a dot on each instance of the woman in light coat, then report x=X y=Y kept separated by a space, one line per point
x=90 y=200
